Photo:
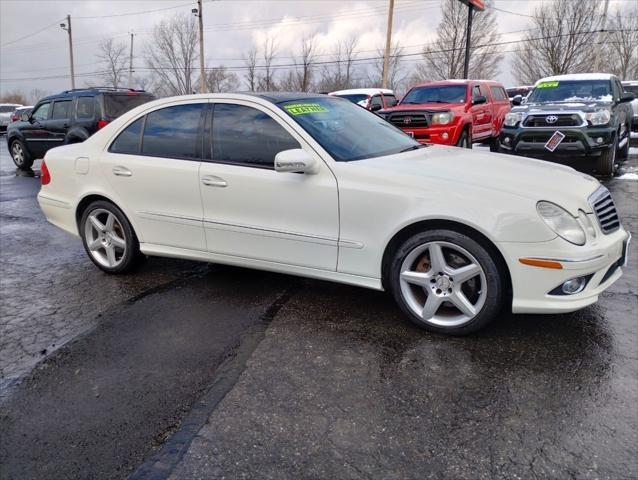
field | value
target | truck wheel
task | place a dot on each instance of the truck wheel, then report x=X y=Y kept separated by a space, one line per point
x=494 y=145
x=605 y=165
x=21 y=156
x=465 y=140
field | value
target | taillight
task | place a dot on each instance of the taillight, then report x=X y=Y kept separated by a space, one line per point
x=45 y=176
x=14 y=118
x=102 y=124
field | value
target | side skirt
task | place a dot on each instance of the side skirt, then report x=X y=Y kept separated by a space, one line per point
x=174 y=252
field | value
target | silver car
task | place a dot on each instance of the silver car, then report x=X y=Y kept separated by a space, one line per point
x=632 y=87
x=6 y=109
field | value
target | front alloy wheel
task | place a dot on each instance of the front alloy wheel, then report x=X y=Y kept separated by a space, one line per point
x=446 y=282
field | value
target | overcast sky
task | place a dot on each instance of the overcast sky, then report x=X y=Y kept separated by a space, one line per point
x=41 y=60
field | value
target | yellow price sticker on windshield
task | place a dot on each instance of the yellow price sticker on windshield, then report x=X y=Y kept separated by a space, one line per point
x=303 y=108
x=547 y=85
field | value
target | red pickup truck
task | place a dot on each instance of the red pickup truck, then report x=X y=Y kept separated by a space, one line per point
x=452 y=112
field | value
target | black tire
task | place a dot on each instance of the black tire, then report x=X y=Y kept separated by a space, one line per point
x=623 y=152
x=20 y=155
x=494 y=279
x=465 y=140
x=131 y=257
x=606 y=162
x=495 y=145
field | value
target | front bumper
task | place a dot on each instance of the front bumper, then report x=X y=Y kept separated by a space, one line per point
x=599 y=260
x=578 y=141
x=436 y=134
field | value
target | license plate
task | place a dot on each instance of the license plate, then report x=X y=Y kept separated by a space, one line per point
x=625 y=252
x=554 y=141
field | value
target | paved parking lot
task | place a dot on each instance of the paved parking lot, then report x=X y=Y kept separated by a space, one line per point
x=186 y=370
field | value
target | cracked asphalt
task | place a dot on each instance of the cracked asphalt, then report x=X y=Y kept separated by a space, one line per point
x=186 y=370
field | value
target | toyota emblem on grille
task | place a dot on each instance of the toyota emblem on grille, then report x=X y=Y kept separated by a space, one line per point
x=407 y=120
x=551 y=119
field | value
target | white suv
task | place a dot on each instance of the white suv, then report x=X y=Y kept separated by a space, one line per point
x=315 y=186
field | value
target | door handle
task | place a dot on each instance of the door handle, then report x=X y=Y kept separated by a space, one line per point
x=214 y=181
x=122 y=172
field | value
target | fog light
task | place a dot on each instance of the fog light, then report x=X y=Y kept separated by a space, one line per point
x=599 y=139
x=573 y=286
x=444 y=135
x=507 y=140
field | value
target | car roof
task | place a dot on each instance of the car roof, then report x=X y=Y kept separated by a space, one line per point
x=362 y=91
x=10 y=104
x=92 y=91
x=457 y=81
x=277 y=97
x=577 y=77
x=632 y=83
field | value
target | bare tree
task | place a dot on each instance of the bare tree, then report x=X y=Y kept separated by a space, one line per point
x=620 y=49
x=36 y=94
x=113 y=61
x=304 y=65
x=219 y=79
x=269 y=52
x=16 y=96
x=445 y=57
x=250 y=60
x=561 y=41
x=172 y=54
x=341 y=73
x=396 y=72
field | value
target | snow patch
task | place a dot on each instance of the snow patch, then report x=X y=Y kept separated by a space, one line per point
x=629 y=176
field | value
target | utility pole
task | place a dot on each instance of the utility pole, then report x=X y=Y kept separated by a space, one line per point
x=388 y=44
x=199 y=13
x=130 y=64
x=468 y=39
x=67 y=27
x=600 y=37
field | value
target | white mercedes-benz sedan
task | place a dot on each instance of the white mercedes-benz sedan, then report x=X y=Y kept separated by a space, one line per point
x=316 y=186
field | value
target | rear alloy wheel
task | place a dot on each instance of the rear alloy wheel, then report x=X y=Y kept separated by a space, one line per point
x=606 y=162
x=446 y=282
x=465 y=140
x=108 y=238
x=21 y=157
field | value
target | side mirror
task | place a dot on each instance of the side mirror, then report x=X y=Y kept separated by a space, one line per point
x=626 y=97
x=517 y=100
x=479 y=100
x=376 y=107
x=295 y=161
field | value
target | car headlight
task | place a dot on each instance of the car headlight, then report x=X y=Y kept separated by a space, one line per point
x=599 y=117
x=561 y=222
x=442 y=118
x=513 y=118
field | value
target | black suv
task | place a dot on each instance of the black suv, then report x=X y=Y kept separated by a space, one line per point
x=583 y=120
x=69 y=117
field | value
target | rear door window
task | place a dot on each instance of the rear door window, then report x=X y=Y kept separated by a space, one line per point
x=130 y=139
x=61 y=109
x=86 y=107
x=376 y=100
x=174 y=131
x=247 y=136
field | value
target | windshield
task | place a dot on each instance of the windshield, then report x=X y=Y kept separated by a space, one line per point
x=116 y=105
x=571 y=91
x=512 y=92
x=7 y=108
x=347 y=132
x=631 y=89
x=436 y=94
x=355 y=97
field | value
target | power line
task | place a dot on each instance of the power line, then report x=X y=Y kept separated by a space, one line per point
x=135 y=13
x=32 y=33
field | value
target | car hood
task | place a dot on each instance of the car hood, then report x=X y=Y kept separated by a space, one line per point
x=422 y=106
x=452 y=167
x=561 y=106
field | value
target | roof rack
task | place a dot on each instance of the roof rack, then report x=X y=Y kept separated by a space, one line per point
x=114 y=89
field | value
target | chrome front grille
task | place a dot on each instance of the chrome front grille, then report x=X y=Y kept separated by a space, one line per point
x=605 y=210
